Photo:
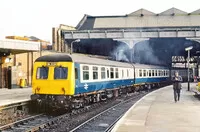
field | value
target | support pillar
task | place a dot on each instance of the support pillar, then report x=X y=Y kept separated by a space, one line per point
x=59 y=41
x=1 y=84
x=14 y=60
x=28 y=68
x=31 y=66
x=67 y=48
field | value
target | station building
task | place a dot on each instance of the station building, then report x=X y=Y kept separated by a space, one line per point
x=17 y=55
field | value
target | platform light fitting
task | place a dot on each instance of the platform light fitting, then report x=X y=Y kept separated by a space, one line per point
x=77 y=40
x=188 y=48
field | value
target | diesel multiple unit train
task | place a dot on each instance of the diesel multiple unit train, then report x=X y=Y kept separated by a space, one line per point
x=64 y=80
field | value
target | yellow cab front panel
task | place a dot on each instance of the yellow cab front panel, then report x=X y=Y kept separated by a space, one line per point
x=54 y=78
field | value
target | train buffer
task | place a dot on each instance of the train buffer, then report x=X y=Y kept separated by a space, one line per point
x=158 y=112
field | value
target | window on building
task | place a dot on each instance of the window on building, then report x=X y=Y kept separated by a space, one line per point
x=60 y=72
x=149 y=73
x=111 y=72
x=140 y=73
x=42 y=72
x=144 y=73
x=95 y=72
x=116 y=73
x=103 y=72
x=85 y=72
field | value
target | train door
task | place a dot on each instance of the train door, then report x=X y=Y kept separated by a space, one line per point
x=77 y=77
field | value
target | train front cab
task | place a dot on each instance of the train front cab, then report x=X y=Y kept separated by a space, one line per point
x=53 y=78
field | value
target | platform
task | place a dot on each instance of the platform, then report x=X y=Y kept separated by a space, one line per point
x=11 y=96
x=157 y=112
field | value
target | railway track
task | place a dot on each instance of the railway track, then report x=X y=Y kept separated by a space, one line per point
x=89 y=118
x=40 y=121
x=104 y=121
x=14 y=112
x=18 y=125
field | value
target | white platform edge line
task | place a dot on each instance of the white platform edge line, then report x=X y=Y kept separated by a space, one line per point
x=14 y=102
x=122 y=119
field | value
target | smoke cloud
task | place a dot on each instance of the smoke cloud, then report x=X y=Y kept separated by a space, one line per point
x=145 y=54
x=120 y=52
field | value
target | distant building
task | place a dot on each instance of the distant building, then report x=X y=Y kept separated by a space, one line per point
x=57 y=41
x=46 y=45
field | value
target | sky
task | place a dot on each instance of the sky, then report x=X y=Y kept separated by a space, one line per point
x=37 y=17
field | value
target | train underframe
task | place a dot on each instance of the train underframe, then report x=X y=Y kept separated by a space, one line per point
x=77 y=101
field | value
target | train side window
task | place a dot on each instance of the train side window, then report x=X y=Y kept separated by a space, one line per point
x=167 y=73
x=140 y=73
x=85 y=72
x=116 y=73
x=111 y=72
x=95 y=72
x=76 y=73
x=153 y=73
x=127 y=73
x=122 y=73
x=144 y=73
x=159 y=73
x=156 y=73
x=103 y=72
x=60 y=72
x=149 y=73
x=108 y=73
x=42 y=72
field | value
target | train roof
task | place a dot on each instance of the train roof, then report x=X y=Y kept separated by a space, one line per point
x=85 y=59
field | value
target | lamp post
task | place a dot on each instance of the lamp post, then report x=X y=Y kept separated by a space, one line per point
x=188 y=62
x=77 y=40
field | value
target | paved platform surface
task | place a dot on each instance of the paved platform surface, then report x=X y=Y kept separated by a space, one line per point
x=10 y=96
x=157 y=112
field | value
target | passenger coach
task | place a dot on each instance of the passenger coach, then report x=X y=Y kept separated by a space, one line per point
x=64 y=79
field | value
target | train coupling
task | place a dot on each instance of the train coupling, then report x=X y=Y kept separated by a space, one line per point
x=35 y=96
